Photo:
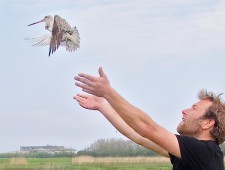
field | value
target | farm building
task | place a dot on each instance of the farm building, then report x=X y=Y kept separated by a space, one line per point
x=47 y=149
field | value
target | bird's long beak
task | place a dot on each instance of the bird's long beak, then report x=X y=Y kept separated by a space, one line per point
x=36 y=22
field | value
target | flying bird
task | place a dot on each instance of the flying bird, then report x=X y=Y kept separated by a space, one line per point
x=62 y=34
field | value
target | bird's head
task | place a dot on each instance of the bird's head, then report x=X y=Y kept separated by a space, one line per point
x=48 y=22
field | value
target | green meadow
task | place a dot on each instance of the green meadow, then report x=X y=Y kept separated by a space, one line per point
x=84 y=163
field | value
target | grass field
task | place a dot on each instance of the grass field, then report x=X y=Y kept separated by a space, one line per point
x=86 y=163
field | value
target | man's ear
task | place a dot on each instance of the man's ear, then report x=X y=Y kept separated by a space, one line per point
x=207 y=123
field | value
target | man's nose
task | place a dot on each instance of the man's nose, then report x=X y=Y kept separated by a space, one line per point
x=185 y=111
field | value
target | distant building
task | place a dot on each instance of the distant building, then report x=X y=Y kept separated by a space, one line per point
x=47 y=149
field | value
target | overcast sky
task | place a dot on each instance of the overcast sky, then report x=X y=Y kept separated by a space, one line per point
x=158 y=54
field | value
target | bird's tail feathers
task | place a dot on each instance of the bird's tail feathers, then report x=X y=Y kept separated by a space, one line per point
x=76 y=35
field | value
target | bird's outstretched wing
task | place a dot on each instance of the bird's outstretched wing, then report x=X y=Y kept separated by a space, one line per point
x=40 y=41
x=60 y=26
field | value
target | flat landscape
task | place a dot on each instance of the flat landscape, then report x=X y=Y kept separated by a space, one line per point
x=86 y=163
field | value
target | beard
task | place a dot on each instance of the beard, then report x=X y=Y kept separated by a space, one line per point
x=189 y=128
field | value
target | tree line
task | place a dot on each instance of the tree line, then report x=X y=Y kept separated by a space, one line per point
x=115 y=148
x=112 y=147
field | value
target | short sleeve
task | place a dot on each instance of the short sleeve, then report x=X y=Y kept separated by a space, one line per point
x=194 y=152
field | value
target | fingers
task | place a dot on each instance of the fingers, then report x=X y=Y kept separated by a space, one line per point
x=83 y=95
x=84 y=86
x=78 y=97
x=86 y=76
x=81 y=99
x=83 y=80
x=101 y=73
x=87 y=79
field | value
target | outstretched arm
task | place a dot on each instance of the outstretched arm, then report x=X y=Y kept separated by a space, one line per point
x=97 y=103
x=133 y=116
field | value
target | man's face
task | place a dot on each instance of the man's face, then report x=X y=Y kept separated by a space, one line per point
x=191 y=119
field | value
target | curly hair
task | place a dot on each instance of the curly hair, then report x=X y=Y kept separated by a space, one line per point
x=217 y=112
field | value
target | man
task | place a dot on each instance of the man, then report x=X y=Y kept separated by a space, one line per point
x=201 y=130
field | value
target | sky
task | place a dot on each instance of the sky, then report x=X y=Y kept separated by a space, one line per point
x=157 y=54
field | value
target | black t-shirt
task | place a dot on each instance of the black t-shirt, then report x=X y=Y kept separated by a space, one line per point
x=197 y=155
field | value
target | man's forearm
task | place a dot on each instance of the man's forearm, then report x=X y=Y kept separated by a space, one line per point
x=133 y=116
x=113 y=117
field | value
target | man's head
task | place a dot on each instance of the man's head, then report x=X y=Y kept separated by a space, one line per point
x=205 y=116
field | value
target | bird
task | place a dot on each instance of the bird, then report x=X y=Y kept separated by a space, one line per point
x=61 y=34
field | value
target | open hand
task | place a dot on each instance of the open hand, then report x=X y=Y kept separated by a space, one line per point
x=89 y=101
x=98 y=86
